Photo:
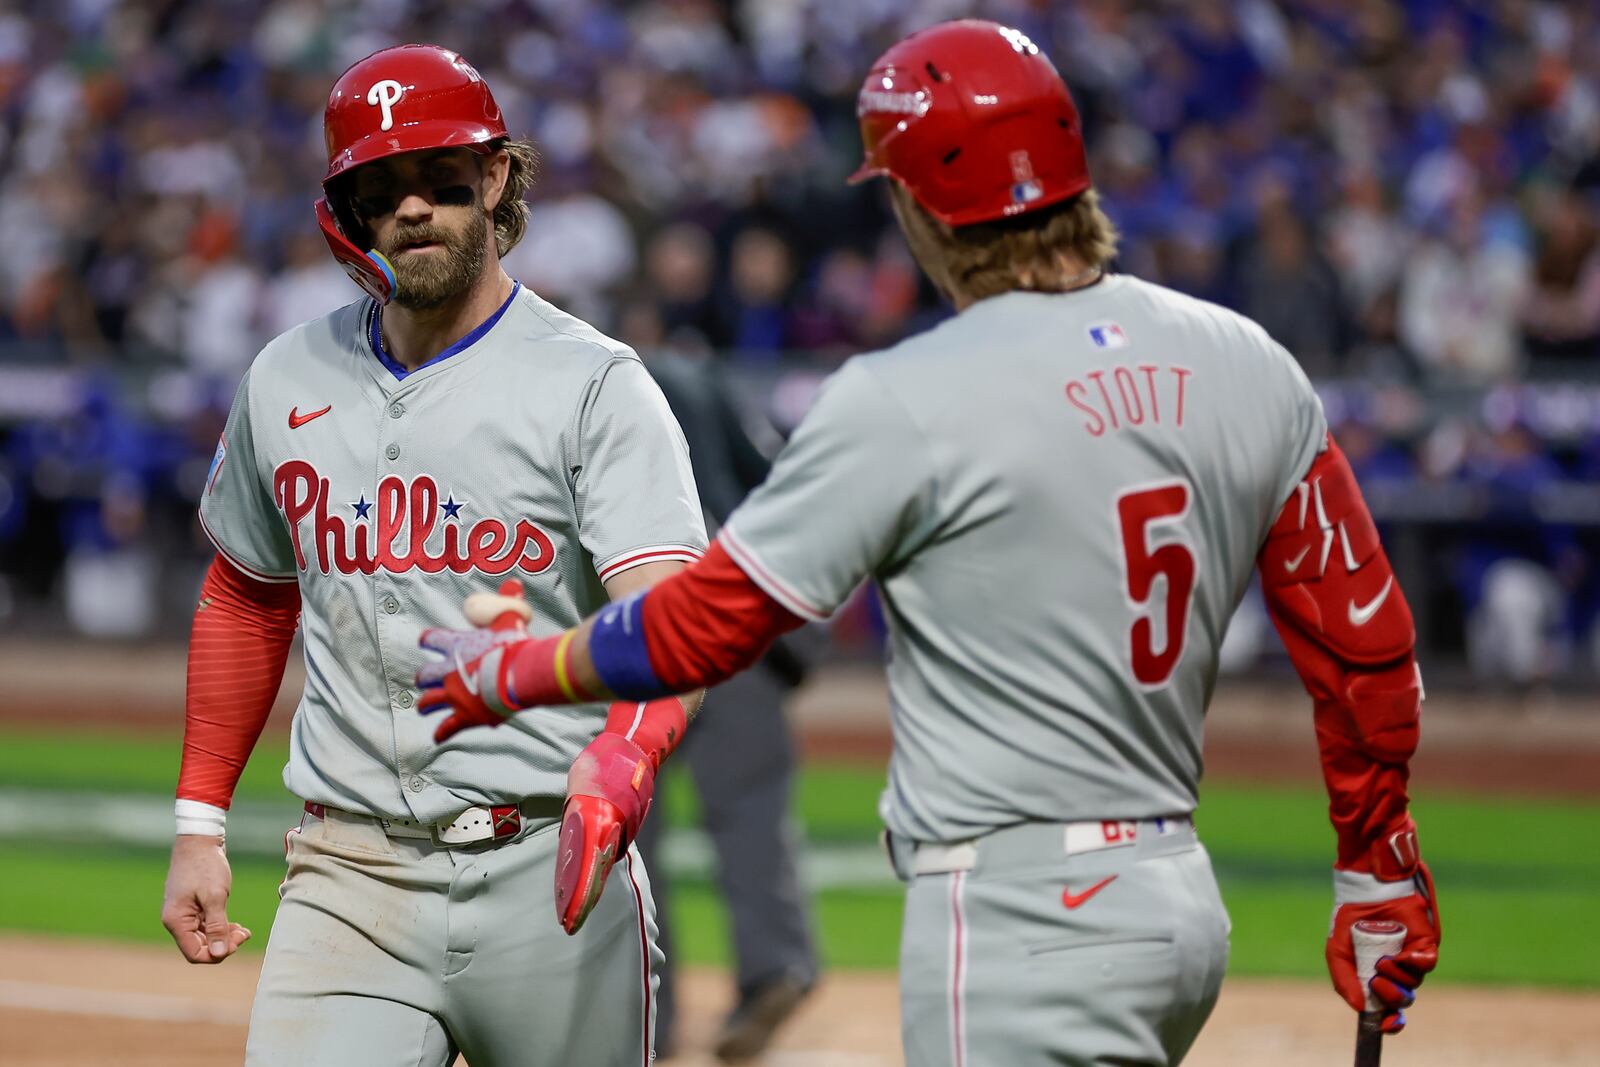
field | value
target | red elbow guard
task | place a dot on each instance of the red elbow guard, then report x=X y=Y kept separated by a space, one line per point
x=1339 y=609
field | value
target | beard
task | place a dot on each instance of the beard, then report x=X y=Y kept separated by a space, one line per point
x=425 y=281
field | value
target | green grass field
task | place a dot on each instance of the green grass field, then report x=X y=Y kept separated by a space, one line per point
x=1501 y=865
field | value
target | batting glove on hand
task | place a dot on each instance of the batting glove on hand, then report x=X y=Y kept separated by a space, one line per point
x=469 y=679
x=1400 y=890
x=608 y=794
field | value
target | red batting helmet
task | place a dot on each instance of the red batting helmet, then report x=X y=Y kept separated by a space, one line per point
x=974 y=121
x=402 y=99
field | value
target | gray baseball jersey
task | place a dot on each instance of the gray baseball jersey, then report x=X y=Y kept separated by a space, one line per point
x=534 y=448
x=1061 y=497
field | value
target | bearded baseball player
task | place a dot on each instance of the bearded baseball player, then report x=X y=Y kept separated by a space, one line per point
x=449 y=430
x=1062 y=493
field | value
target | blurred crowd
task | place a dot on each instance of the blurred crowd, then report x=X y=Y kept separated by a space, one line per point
x=1401 y=191
x=1405 y=186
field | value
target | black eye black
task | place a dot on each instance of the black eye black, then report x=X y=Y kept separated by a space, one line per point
x=374 y=206
x=454 y=195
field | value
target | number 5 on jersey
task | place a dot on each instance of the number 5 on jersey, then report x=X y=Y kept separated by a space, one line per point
x=1138 y=510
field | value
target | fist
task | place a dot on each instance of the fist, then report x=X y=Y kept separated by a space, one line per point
x=609 y=789
x=1394 y=985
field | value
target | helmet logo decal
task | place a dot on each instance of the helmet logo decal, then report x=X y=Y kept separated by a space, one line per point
x=1024 y=186
x=883 y=101
x=386 y=94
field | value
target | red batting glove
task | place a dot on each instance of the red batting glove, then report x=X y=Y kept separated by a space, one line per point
x=608 y=794
x=1399 y=889
x=469 y=679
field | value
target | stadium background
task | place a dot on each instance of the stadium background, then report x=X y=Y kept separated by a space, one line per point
x=1404 y=193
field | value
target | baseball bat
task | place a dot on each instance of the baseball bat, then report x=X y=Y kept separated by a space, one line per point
x=1373 y=939
x=500 y=610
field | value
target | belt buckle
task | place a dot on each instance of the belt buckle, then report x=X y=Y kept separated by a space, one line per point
x=505 y=820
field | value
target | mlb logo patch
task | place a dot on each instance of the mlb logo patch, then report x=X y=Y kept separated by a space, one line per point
x=1026 y=192
x=217 y=460
x=1108 y=335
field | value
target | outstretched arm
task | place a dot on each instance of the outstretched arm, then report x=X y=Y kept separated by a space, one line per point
x=1341 y=614
x=698 y=627
x=693 y=628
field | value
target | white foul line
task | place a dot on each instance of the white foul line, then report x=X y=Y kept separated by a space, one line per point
x=105 y=1003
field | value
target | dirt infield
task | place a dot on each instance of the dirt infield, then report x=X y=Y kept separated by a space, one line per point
x=139 y=1006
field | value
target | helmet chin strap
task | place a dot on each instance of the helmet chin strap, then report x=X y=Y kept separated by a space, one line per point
x=370 y=270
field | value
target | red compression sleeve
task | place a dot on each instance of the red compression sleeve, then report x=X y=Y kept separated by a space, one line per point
x=1339 y=609
x=237 y=649
x=709 y=621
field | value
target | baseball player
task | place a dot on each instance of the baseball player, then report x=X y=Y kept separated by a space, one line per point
x=448 y=430
x=1062 y=492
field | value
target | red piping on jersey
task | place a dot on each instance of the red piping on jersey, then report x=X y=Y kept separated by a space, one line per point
x=644 y=954
x=958 y=978
x=682 y=553
x=709 y=621
x=237 y=650
x=779 y=589
x=238 y=564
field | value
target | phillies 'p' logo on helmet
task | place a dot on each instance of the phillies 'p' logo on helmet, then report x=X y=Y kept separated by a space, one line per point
x=973 y=120
x=402 y=99
x=386 y=94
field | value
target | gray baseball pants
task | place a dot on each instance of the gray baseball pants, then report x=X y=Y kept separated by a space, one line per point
x=1017 y=951
x=397 y=952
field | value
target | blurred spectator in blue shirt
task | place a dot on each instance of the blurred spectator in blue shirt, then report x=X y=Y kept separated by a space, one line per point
x=756 y=322
x=1517 y=574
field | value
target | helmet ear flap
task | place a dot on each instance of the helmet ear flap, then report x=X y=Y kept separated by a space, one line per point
x=368 y=269
x=344 y=214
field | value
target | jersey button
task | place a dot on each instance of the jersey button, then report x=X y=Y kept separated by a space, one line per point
x=405 y=698
x=416 y=785
x=396 y=410
x=393 y=451
x=391 y=605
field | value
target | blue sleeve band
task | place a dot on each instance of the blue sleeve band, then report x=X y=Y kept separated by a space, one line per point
x=617 y=649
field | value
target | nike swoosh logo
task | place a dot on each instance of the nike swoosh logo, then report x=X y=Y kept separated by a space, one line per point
x=297 y=420
x=1362 y=614
x=1075 y=900
x=1293 y=565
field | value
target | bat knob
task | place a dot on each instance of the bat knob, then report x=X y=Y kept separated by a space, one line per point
x=1374 y=939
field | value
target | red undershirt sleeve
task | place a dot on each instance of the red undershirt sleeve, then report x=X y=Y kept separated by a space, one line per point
x=237 y=650
x=709 y=621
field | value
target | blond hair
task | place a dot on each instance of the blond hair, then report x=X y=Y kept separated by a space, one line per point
x=511 y=213
x=986 y=259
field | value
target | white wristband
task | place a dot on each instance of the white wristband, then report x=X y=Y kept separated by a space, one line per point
x=1352 y=887
x=204 y=820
